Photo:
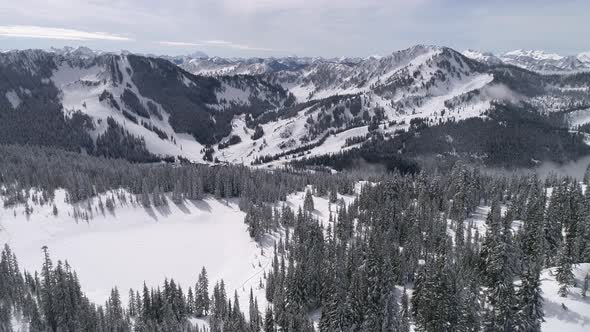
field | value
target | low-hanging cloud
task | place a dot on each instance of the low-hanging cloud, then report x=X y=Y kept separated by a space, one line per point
x=31 y=31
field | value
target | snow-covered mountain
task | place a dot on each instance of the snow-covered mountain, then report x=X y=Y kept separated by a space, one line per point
x=535 y=60
x=247 y=110
x=423 y=82
x=174 y=112
x=484 y=57
x=544 y=62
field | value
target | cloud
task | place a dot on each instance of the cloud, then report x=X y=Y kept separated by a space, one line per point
x=215 y=43
x=31 y=31
x=248 y=7
x=178 y=43
x=225 y=43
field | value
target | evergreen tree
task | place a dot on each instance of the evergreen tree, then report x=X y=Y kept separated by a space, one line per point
x=530 y=300
x=269 y=324
x=564 y=275
x=308 y=202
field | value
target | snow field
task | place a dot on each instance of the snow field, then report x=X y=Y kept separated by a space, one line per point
x=135 y=244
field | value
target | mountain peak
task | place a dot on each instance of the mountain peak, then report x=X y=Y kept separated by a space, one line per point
x=535 y=54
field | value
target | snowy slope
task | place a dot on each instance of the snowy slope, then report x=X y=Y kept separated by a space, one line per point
x=484 y=57
x=81 y=88
x=420 y=82
x=149 y=98
x=575 y=317
x=310 y=104
x=135 y=244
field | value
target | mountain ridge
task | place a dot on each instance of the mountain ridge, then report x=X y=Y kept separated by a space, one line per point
x=262 y=109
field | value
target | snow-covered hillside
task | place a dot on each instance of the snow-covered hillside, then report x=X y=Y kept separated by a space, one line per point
x=570 y=314
x=293 y=105
x=134 y=244
x=425 y=82
x=173 y=112
x=83 y=89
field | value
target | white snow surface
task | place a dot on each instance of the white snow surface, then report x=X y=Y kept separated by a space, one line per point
x=13 y=98
x=584 y=57
x=579 y=117
x=80 y=89
x=575 y=317
x=136 y=245
x=535 y=54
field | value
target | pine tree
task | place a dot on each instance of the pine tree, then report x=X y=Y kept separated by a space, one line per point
x=269 y=324
x=253 y=313
x=308 y=202
x=530 y=301
x=48 y=291
x=202 y=294
x=190 y=302
x=564 y=275
x=333 y=196
x=498 y=266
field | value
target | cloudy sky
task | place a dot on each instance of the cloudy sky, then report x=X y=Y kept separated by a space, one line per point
x=295 y=27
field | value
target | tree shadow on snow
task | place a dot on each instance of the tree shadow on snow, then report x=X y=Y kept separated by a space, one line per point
x=150 y=211
x=201 y=205
x=554 y=309
x=182 y=206
x=164 y=210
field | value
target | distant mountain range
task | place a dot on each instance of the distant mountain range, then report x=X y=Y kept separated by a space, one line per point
x=276 y=110
x=539 y=61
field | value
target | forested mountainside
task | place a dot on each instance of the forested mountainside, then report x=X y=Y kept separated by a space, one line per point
x=147 y=108
x=109 y=104
x=461 y=250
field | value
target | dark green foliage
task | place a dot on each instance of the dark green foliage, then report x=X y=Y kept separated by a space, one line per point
x=84 y=176
x=108 y=97
x=55 y=302
x=116 y=142
x=258 y=132
x=154 y=110
x=155 y=129
x=130 y=117
x=512 y=136
x=401 y=230
x=232 y=140
x=39 y=118
x=130 y=99
x=188 y=104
